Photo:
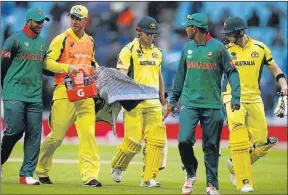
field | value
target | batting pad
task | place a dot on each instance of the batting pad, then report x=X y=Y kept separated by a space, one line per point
x=155 y=143
x=239 y=147
x=125 y=153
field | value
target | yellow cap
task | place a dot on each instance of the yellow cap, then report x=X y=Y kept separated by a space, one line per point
x=79 y=11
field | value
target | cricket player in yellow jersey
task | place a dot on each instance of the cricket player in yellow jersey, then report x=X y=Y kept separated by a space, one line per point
x=248 y=125
x=141 y=60
x=73 y=48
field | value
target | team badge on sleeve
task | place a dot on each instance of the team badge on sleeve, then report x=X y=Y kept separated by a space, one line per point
x=6 y=54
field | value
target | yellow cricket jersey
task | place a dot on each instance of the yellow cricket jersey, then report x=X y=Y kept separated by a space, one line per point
x=67 y=49
x=249 y=62
x=143 y=65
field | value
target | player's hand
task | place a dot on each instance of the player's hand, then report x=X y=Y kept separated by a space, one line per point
x=73 y=70
x=235 y=107
x=281 y=108
x=284 y=90
x=173 y=110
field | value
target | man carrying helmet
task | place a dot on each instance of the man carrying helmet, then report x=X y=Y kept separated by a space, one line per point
x=248 y=125
x=198 y=83
x=141 y=60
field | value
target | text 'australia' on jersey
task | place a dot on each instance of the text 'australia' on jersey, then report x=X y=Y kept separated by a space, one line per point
x=249 y=62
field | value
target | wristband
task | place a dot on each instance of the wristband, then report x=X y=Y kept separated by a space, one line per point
x=281 y=75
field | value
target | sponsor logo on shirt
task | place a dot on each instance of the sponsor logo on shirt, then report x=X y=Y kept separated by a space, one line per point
x=202 y=65
x=79 y=55
x=31 y=56
x=139 y=53
x=26 y=44
x=209 y=55
x=245 y=63
x=233 y=55
x=41 y=48
x=254 y=54
x=6 y=54
x=149 y=63
x=189 y=53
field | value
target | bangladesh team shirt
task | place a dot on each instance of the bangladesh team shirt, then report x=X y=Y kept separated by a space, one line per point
x=22 y=66
x=199 y=74
x=249 y=62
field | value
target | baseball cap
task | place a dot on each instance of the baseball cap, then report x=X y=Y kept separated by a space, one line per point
x=148 y=24
x=232 y=24
x=79 y=11
x=199 y=20
x=36 y=14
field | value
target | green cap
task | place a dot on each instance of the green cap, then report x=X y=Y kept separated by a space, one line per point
x=36 y=14
x=147 y=24
x=232 y=24
x=199 y=20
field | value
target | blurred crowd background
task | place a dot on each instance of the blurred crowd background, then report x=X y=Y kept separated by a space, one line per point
x=112 y=25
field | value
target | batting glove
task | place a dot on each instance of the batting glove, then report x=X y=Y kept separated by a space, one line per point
x=281 y=109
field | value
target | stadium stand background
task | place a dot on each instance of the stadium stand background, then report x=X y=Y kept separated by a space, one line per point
x=111 y=24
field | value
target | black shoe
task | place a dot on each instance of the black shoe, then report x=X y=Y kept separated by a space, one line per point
x=93 y=183
x=45 y=180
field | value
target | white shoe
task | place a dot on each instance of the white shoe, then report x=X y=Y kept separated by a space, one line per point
x=232 y=175
x=29 y=181
x=116 y=174
x=150 y=183
x=247 y=188
x=187 y=188
x=211 y=190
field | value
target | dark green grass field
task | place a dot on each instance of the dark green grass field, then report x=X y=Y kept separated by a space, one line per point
x=270 y=174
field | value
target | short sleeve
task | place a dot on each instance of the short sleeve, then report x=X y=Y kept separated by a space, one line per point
x=268 y=59
x=124 y=58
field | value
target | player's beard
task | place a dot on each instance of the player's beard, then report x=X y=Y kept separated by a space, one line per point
x=192 y=35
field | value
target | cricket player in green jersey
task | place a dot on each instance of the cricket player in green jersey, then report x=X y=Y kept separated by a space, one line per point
x=198 y=82
x=21 y=79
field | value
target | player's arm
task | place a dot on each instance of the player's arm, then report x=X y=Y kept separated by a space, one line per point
x=46 y=72
x=123 y=62
x=9 y=51
x=232 y=75
x=178 y=81
x=53 y=54
x=275 y=69
x=94 y=63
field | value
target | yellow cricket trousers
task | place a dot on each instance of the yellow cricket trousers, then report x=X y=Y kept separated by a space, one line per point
x=63 y=115
x=252 y=116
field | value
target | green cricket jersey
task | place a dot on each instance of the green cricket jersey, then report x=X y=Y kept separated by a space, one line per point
x=22 y=66
x=198 y=79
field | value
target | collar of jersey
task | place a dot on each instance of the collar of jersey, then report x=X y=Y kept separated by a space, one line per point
x=247 y=44
x=142 y=48
x=29 y=32
x=208 y=37
x=70 y=31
